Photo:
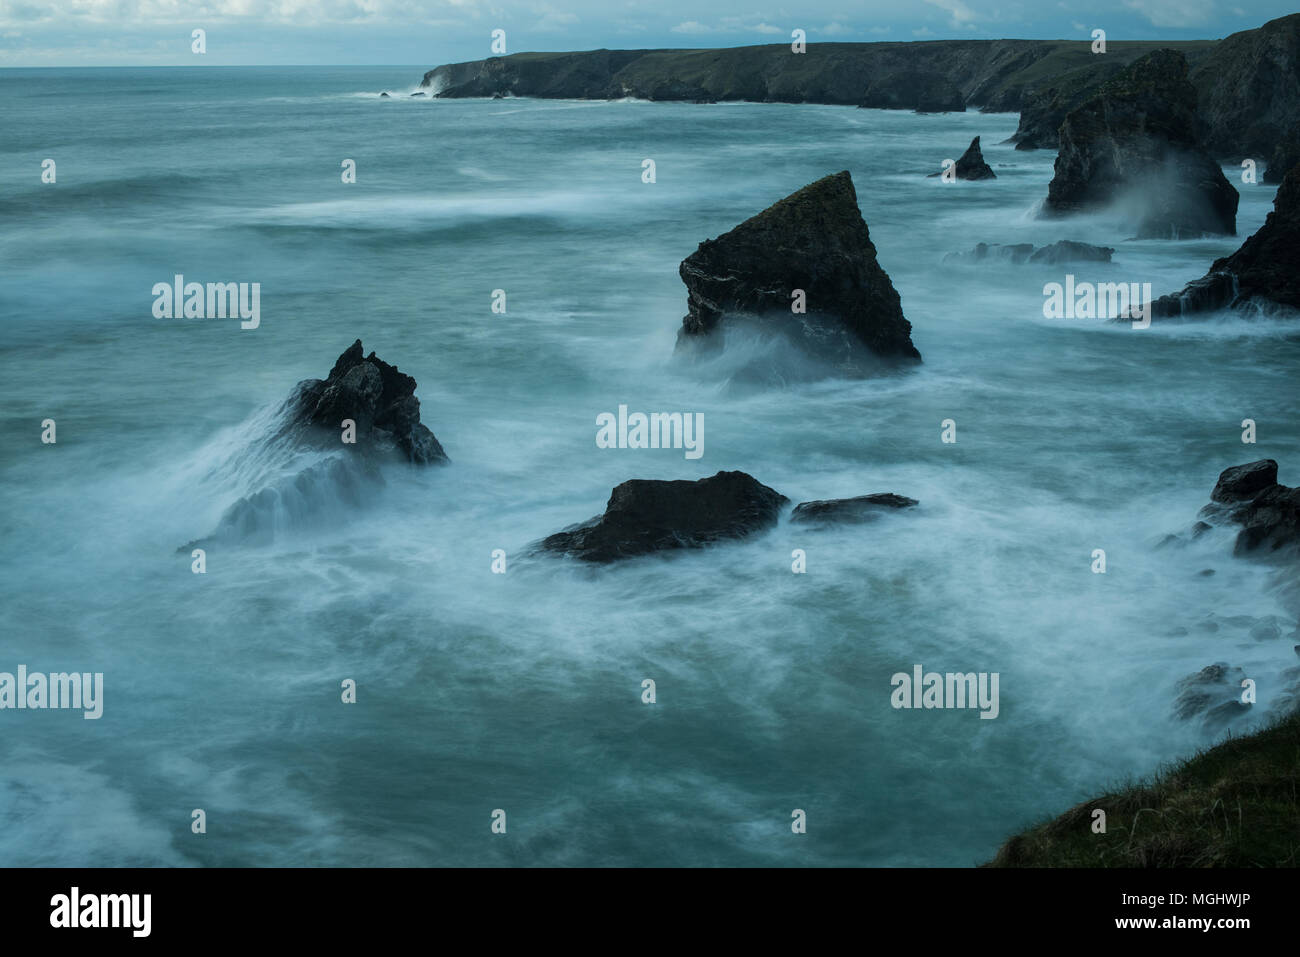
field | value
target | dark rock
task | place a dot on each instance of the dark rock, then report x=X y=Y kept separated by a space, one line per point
x=1264 y=273
x=1045 y=109
x=863 y=508
x=1285 y=155
x=645 y=515
x=1137 y=143
x=1065 y=251
x=972 y=165
x=377 y=397
x=1014 y=253
x=1268 y=513
x=1213 y=694
x=419 y=93
x=1249 y=88
x=1069 y=251
x=924 y=91
x=1243 y=482
x=384 y=96
x=814 y=240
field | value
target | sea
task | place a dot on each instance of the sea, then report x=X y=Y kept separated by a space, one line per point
x=501 y=712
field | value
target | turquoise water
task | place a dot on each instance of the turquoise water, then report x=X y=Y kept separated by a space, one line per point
x=522 y=691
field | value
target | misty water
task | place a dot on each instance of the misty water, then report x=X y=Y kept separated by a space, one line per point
x=522 y=691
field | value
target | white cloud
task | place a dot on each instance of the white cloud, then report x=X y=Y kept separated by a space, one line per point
x=1173 y=13
x=961 y=17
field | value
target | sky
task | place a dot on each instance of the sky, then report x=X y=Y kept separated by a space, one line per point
x=426 y=33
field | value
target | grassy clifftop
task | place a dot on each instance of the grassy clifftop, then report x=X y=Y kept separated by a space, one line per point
x=1234 y=805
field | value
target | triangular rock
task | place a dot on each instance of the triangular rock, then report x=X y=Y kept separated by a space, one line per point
x=814 y=241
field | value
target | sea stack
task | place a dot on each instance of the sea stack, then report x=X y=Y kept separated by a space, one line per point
x=972 y=165
x=812 y=252
x=1263 y=273
x=378 y=399
x=1137 y=144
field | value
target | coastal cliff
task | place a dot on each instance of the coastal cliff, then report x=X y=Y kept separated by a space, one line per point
x=1248 y=84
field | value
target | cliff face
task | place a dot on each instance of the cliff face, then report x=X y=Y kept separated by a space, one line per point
x=1249 y=89
x=1265 y=270
x=994 y=74
x=1248 y=84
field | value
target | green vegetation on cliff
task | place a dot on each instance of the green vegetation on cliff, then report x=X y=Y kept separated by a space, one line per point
x=1234 y=805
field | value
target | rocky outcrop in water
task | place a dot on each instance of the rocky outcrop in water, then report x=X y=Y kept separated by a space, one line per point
x=971 y=165
x=645 y=515
x=374 y=395
x=1136 y=145
x=1268 y=513
x=924 y=91
x=1212 y=694
x=814 y=240
x=1065 y=251
x=863 y=508
x=1264 y=273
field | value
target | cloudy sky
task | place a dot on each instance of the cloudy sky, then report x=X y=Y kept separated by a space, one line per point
x=428 y=32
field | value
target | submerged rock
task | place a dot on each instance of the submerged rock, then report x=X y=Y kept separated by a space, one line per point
x=971 y=165
x=1213 y=694
x=1065 y=251
x=814 y=240
x=374 y=395
x=863 y=508
x=1263 y=273
x=1137 y=143
x=1268 y=513
x=648 y=515
x=924 y=91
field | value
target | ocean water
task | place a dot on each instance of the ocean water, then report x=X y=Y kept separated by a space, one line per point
x=522 y=692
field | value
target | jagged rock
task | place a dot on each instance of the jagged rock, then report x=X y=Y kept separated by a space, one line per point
x=971 y=165
x=1268 y=513
x=814 y=240
x=1213 y=694
x=377 y=397
x=1285 y=155
x=384 y=96
x=1263 y=272
x=1137 y=144
x=863 y=508
x=924 y=91
x=1065 y=251
x=646 y=515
